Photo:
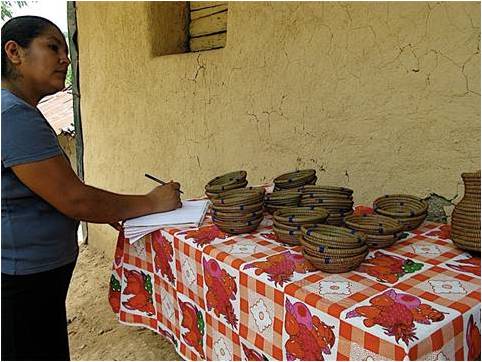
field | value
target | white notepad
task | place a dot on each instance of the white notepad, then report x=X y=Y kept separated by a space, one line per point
x=191 y=214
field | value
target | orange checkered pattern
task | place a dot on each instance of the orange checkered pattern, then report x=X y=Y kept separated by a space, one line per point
x=448 y=282
x=224 y=251
x=166 y=305
x=255 y=295
x=133 y=257
x=222 y=344
x=368 y=345
x=189 y=259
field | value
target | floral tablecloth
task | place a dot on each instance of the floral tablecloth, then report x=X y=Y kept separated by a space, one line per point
x=248 y=297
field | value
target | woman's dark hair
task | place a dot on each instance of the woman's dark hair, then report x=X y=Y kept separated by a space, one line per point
x=22 y=30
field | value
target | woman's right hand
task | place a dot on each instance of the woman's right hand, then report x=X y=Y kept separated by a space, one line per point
x=166 y=197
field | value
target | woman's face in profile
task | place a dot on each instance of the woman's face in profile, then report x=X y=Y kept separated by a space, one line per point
x=44 y=63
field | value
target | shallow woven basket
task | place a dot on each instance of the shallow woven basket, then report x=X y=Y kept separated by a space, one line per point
x=282 y=197
x=299 y=216
x=334 y=236
x=373 y=224
x=335 y=265
x=238 y=197
x=237 y=227
x=295 y=179
x=322 y=250
x=326 y=191
x=399 y=205
x=238 y=208
x=222 y=183
x=409 y=210
x=236 y=216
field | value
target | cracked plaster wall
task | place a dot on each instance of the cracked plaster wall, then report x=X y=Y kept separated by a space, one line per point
x=379 y=97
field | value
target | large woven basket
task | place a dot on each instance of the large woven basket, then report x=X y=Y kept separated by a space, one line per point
x=465 y=230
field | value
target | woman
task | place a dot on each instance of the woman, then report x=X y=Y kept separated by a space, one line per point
x=43 y=199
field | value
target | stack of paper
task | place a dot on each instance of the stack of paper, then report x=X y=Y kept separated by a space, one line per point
x=191 y=214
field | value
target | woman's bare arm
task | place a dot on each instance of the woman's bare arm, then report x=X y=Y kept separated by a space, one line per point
x=55 y=181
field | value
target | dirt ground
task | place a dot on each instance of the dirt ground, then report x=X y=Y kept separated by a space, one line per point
x=94 y=332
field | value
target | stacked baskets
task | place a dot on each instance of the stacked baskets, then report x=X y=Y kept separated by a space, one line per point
x=465 y=231
x=381 y=231
x=238 y=211
x=338 y=201
x=281 y=199
x=226 y=182
x=287 y=222
x=409 y=210
x=294 y=180
x=333 y=249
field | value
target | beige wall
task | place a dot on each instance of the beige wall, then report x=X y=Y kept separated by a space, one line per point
x=379 y=97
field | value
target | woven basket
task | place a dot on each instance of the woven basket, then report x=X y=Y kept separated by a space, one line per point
x=223 y=182
x=400 y=206
x=239 y=197
x=295 y=179
x=300 y=216
x=409 y=210
x=325 y=234
x=226 y=216
x=373 y=224
x=294 y=176
x=238 y=208
x=327 y=190
x=237 y=227
x=329 y=265
x=321 y=250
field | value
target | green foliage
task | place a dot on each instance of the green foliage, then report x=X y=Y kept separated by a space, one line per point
x=115 y=284
x=7 y=7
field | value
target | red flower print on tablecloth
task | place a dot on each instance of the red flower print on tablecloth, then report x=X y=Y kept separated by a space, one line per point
x=114 y=293
x=205 y=234
x=253 y=355
x=388 y=268
x=140 y=285
x=280 y=267
x=193 y=321
x=221 y=291
x=163 y=255
x=442 y=233
x=470 y=265
x=362 y=210
x=397 y=314
x=269 y=236
x=309 y=337
x=473 y=340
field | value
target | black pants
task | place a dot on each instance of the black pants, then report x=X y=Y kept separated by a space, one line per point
x=34 y=320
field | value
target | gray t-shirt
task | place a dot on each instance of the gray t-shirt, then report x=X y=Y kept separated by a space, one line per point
x=36 y=237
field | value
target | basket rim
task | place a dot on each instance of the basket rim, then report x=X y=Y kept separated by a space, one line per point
x=292 y=176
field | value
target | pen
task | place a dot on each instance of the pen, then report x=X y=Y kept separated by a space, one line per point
x=157 y=180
